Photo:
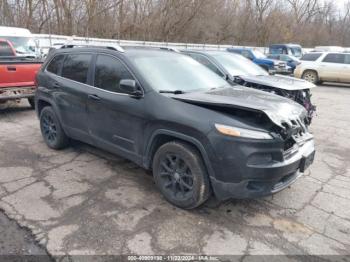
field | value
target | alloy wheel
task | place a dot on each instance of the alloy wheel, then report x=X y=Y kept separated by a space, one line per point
x=176 y=176
x=49 y=128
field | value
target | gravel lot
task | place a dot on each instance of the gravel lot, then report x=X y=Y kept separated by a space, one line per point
x=85 y=201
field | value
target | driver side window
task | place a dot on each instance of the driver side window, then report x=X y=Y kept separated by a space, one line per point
x=108 y=73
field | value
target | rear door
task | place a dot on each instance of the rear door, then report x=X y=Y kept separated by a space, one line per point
x=332 y=67
x=116 y=120
x=70 y=91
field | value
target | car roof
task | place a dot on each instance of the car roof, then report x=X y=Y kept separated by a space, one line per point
x=149 y=52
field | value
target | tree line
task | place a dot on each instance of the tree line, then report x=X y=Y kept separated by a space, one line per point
x=237 y=22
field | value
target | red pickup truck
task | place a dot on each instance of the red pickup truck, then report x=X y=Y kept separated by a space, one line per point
x=17 y=75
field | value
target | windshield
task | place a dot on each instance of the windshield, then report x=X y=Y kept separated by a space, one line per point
x=23 y=45
x=258 y=54
x=296 y=51
x=238 y=65
x=170 y=72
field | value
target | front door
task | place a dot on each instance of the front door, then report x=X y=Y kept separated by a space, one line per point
x=116 y=120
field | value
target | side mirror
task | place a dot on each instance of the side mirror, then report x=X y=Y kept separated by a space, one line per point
x=130 y=87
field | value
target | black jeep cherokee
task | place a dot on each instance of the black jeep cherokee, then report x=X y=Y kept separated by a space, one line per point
x=168 y=113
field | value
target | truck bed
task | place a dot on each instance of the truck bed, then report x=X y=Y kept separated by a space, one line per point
x=17 y=77
x=18 y=72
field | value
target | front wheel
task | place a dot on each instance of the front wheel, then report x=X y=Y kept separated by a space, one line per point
x=180 y=174
x=51 y=129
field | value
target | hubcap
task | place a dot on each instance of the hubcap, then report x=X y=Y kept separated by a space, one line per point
x=309 y=77
x=175 y=176
x=49 y=128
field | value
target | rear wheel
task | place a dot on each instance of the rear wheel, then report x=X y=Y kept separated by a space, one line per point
x=310 y=76
x=51 y=129
x=31 y=102
x=180 y=174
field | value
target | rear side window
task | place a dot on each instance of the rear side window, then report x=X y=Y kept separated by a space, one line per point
x=5 y=49
x=76 y=67
x=108 y=73
x=55 y=64
x=334 y=58
x=311 y=56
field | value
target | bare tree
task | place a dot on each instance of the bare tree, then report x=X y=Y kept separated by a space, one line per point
x=244 y=22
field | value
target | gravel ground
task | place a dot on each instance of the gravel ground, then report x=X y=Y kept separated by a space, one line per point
x=84 y=201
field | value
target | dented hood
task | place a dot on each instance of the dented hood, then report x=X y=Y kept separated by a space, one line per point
x=279 y=81
x=280 y=110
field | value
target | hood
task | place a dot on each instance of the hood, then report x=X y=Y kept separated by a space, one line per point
x=279 y=81
x=281 y=111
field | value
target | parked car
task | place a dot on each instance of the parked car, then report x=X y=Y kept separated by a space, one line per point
x=17 y=75
x=270 y=65
x=291 y=61
x=168 y=113
x=286 y=49
x=239 y=70
x=321 y=67
x=22 y=40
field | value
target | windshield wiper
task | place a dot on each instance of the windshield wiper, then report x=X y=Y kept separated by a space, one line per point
x=175 y=92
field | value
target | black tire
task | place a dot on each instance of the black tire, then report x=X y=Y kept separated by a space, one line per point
x=51 y=129
x=180 y=174
x=310 y=76
x=31 y=102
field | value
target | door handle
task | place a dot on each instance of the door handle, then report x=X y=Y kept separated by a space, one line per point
x=11 y=68
x=94 y=97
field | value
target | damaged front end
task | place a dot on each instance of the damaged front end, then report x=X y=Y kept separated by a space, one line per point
x=248 y=166
x=301 y=96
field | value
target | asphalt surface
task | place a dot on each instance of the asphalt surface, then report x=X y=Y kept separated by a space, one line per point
x=84 y=201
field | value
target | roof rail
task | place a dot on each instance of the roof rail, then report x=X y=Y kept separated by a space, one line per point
x=114 y=47
x=166 y=48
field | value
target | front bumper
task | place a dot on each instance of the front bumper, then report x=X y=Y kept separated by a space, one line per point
x=14 y=93
x=241 y=175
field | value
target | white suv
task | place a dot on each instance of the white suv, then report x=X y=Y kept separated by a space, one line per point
x=328 y=66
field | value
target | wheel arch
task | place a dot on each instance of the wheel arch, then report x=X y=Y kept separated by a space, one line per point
x=162 y=136
x=42 y=102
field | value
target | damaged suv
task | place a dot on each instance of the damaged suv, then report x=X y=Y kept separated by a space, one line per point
x=170 y=114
